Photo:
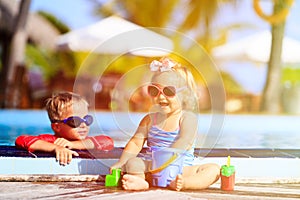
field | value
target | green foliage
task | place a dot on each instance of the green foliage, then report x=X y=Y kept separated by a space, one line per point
x=231 y=86
x=154 y=13
x=59 y=25
x=199 y=11
x=67 y=62
x=291 y=74
x=51 y=62
x=43 y=59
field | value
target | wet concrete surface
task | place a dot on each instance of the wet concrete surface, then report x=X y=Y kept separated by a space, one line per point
x=97 y=190
x=35 y=186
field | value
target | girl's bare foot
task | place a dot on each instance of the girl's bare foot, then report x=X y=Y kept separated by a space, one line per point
x=177 y=184
x=131 y=182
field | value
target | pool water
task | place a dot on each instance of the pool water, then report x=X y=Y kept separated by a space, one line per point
x=14 y=123
x=214 y=131
x=34 y=122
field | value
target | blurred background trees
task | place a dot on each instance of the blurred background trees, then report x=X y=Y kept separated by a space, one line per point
x=192 y=17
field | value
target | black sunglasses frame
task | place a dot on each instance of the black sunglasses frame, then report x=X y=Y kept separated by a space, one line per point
x=75 y=121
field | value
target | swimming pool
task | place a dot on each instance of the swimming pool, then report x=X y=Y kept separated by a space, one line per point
x=214 y=131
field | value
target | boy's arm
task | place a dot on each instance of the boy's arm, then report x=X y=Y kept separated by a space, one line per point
x=45 y=142
x=63 y=155
x=100 y=142
x=81 y=144
x=188 y=131
x=41 y=145
x=26 y=141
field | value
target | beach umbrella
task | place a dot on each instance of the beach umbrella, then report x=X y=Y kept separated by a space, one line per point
x=114 y=35
x=257 y=48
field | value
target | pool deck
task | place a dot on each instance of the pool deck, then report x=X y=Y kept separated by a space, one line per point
x=261 y=174
x=97 y=190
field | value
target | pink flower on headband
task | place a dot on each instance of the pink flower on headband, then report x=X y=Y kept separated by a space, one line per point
x=165 y=65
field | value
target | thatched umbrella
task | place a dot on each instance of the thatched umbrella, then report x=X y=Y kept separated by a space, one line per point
x=41 y=32
x=115 y=35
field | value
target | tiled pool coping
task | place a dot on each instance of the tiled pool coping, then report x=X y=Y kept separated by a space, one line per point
x=12 y=151
x=261 y=165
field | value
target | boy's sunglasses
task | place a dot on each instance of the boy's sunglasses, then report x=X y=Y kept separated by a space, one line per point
x=168 y=91
x=75 y=121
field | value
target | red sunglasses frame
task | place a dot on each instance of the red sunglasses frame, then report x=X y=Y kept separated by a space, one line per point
x=162 y=91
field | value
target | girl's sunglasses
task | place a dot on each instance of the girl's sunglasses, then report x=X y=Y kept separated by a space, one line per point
x=75 y=121
x=168 y=91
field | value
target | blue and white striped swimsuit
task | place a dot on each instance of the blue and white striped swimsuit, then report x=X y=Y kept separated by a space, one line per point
x=160 y=138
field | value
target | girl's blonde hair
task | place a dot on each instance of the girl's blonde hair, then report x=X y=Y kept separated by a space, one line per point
x=190 y=96
x=60 y=102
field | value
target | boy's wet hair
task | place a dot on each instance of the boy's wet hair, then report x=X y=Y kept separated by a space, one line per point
x=60 y=102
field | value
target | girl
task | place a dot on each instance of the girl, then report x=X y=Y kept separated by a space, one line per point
x=171 y=124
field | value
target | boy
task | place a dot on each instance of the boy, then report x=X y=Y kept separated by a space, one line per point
x=68 y=113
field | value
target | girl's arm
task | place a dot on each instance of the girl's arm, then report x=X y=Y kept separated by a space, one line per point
x=188 y=131
x=135 y=144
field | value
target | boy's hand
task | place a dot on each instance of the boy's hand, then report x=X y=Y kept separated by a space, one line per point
x=64 y=155
x=63 y=143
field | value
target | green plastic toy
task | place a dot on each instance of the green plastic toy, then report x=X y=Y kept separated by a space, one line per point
x=227 y=170
x=112 y=180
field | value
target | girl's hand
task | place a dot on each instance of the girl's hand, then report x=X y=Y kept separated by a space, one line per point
x=63 y=143
x=115 y=166
x=64 y=155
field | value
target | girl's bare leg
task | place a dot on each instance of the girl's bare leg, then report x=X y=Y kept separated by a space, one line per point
x=196 y=177
x=135 y=177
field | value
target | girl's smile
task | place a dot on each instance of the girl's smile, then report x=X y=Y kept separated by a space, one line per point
x=165 y=92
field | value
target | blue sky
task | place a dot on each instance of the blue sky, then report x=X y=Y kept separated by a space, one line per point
x=74 y=13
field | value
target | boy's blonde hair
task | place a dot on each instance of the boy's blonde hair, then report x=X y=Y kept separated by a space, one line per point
x=60 y=102
x=186 y=78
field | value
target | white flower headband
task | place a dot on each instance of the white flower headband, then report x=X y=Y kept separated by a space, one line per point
x=165 y=65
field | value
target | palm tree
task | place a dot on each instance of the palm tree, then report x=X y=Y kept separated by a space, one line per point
x=271 y=101
x=13 y=64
